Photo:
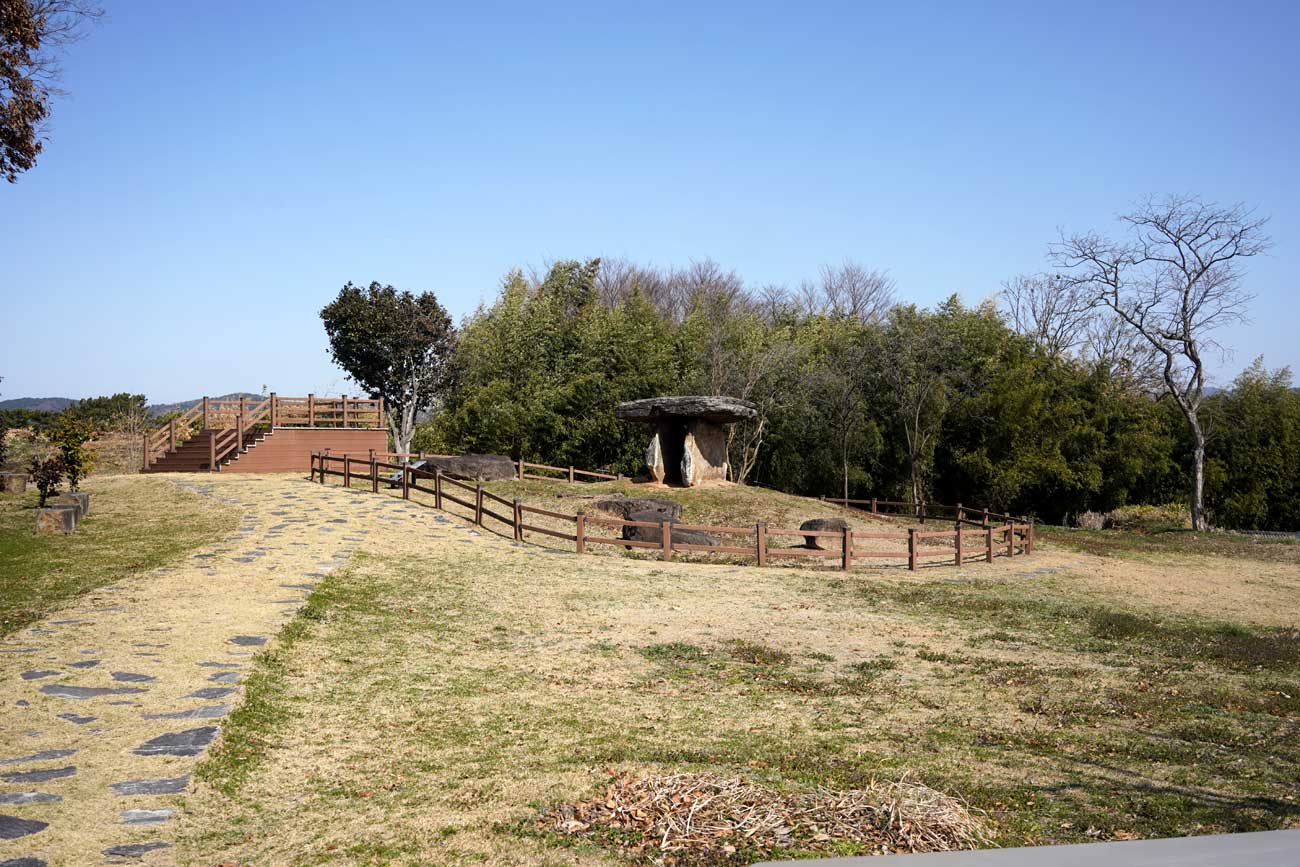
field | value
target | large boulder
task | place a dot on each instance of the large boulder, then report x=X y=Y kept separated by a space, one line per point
x=475 y=468
x=837 y=524
x=655 y=534
x=622 y=507
x=13 y=483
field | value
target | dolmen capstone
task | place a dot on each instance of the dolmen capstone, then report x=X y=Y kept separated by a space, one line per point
x=474 y=468
x=821 y=524
x=689 y=445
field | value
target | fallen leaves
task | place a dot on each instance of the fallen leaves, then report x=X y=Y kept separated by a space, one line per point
x=695 y=818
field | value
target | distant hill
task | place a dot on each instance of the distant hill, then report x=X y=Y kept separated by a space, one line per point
x=59 y=404
x=39 y=404
x=164 y=408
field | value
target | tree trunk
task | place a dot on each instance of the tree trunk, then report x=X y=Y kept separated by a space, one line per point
x=1199 y=523
x=917 y=489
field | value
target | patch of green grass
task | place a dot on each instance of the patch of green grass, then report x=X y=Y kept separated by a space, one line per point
x=758 y=653
x=135 y=524
x=250 y=731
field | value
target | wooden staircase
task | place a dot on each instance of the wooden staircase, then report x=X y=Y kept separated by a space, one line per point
x=217 y=431
x=195 y=454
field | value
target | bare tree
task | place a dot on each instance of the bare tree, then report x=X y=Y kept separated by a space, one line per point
x=851 y=290
x=1173 y=282
x=1055 y=312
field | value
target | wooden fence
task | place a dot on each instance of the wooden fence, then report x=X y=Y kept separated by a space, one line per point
x=990 y=540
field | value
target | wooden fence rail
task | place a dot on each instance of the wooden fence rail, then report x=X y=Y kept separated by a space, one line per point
x=992 y=539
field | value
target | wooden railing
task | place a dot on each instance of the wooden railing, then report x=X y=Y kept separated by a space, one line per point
x=230 y=419
x=959 y=513
x=986 y=543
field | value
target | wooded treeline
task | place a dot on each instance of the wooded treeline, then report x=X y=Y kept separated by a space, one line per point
x=858 y=395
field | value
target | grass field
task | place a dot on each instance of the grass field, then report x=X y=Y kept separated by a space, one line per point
x=135 y=524
x=436 y=697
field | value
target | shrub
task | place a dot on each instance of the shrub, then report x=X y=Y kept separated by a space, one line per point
x=47 y=475
x=71 y=435
x=4 y=445
x=1145 y=519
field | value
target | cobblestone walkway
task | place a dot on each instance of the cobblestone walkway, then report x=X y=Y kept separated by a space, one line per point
x=107 y=706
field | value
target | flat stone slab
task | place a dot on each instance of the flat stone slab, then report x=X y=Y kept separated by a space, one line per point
x=85 y=663
x=135 y=850
x=190 y=742
x=11 y=827
x=225 y=677
x=211 y=711
x=38 y=776
x=145 y=817
x=714 y=408
x=38 y=673
x=211 y=692
x=132 y=677
x=42 y=756
x=23 y=862
x=76 y=719
x=163 y=786
x=29 y=798
x=248 y=640
x=64 y=690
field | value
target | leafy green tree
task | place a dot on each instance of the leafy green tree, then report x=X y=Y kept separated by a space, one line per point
x=395 y=345
x=72 y=435
x=47 y=475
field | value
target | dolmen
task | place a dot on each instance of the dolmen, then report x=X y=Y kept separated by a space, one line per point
x=689 y=444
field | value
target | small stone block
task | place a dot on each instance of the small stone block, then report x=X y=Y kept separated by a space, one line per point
x=13 y=483
x=57 y=519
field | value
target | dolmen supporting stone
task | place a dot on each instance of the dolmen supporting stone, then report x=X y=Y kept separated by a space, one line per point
x=689 y=445
x=475 y=468
x=839 y=525
x=13 y=483
x=56 y=519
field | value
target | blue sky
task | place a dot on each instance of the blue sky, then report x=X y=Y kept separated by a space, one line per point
x=219 y=170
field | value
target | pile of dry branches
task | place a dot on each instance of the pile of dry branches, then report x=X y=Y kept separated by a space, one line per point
x=705 y=818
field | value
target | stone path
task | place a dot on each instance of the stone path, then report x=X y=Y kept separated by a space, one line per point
x=107 y=706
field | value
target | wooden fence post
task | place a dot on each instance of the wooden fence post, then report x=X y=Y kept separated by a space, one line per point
x=171 y=435
x=961 y=513
x=437 y=488
x=374 y=473
x=760 y=542
x=379 y=413
x=406 y=481
x=206 y=424
x=347 y=470
x=846 y=562
x=345 y=410
x=212 y=453
x=324 y=462
x=521 y=469
x=311 y=410
x=986 y=518
x=1011 y=539
x=275 y=410
x=873 y=505
x=1029 y=541
x=911 y=548
x=666 y=531
x=988 y=544
x=478 y=504
x=144 y=452
x=957 y=557
x=580 y=532
x=570 y=474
